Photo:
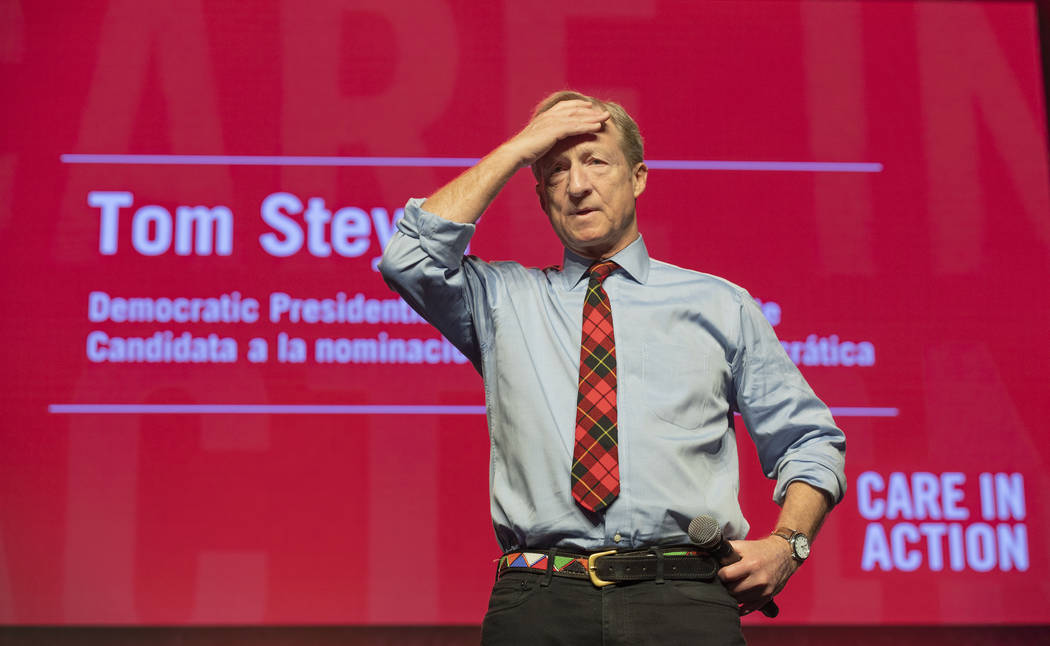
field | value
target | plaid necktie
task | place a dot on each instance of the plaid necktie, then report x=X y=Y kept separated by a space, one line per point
x=595 y=461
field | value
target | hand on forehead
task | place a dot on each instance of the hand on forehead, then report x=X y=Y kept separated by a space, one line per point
x=575 y=104
x=563 y=120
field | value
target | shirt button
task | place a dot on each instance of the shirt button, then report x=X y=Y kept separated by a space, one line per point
x=617 y=538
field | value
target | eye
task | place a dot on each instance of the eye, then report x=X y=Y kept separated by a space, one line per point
x=555 y=172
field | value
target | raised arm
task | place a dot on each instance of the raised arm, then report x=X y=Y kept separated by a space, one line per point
x=424 y=259
x=465 y=198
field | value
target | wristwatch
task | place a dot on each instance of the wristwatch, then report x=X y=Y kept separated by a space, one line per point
x=798 y=541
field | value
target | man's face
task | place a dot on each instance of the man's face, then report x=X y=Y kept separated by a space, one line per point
x=588 y=190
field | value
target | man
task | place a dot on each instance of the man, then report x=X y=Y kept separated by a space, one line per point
x=611 y=388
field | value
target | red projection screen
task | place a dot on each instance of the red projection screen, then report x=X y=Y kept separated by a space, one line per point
x=214 y=411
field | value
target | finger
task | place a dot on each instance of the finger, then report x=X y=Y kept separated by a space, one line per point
x=733 y=587
x=578 y=127
x=750 y=595
x=574 y=104
x=563 y=126
x=571 y=103
x=746 y=589
x=584 y=111
x=594 y=115
x=583 y=125
x=735 y=572
x=599 y=113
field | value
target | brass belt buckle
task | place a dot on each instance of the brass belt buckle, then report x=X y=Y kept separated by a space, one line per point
x=591 y=569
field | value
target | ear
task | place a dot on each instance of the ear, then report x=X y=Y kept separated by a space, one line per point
x=540 y=193
x=638 y=177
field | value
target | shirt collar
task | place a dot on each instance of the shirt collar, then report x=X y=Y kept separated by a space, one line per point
x=633 y=259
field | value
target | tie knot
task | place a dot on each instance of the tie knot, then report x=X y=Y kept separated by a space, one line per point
x=600 y=270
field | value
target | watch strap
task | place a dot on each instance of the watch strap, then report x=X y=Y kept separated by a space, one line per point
x=790 y=535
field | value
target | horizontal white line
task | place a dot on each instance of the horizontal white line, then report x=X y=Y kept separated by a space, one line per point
x=864 y=411
x=796 y=166
x=451 y=162
x=325 y=409
x=269 y=160
x=262 y=409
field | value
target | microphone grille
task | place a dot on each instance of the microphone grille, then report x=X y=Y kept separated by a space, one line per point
x=705 y=532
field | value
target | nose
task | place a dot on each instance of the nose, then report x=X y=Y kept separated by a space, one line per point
x=579 y=182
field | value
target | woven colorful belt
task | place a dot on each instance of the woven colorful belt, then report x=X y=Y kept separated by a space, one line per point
x=538 y=561
x=604 y=568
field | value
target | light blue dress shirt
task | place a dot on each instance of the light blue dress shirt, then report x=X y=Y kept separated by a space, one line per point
x=691 y=350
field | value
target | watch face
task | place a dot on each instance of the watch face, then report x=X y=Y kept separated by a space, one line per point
x=802 y=546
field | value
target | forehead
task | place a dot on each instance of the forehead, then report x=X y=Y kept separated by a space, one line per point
x=606 y=140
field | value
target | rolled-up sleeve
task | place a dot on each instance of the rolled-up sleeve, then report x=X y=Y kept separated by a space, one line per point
x=424 y=263
x=796 y=436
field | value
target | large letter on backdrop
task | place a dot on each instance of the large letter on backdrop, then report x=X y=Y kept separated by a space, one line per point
x=958 y=108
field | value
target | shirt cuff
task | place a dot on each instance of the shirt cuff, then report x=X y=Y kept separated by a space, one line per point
x=443 y=240
x=814 y=474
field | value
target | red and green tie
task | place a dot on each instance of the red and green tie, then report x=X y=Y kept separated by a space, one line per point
x=595 y=461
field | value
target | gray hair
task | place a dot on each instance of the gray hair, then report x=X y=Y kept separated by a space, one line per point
x=630 y=137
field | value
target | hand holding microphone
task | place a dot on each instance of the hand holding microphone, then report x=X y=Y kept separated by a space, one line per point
x=706 y=533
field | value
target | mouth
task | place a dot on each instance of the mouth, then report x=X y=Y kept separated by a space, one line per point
x=583 y=211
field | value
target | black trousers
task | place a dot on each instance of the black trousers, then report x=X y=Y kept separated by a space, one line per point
x=576 y=613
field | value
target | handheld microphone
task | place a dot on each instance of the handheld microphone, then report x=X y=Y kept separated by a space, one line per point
x=706 y=533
